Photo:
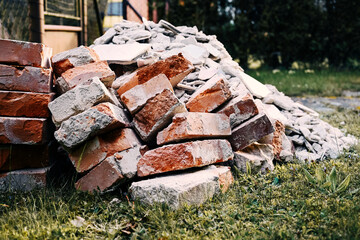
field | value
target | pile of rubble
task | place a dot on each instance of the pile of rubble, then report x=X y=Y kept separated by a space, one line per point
x=25 y=127
x=167 y=109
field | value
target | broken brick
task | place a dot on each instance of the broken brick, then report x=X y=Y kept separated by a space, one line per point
x=102 y=146
x=184 y=155
x=96 y=120
x=80 y=74
x=28 y=79
x=176 y=68
x=210 y=96
x=250 y=131
x=156 y=114
x=137 y=97
x=190 y=125
x=275 y=138
x=18 y=130
x=75 y=57
x=24 y=104
x=25 y=53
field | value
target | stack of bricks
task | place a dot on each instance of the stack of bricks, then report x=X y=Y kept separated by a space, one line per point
x=25 y=125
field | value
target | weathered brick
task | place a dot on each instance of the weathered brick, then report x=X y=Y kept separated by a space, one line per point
x=210 y=96
x=136 y=98
x=25 y=53
x=96 y=120
x=15 y=157
x=28 y=79
x=190 y=188
x=239 y=109
x=104 y=176
x=79 y=99
x=156 y=114
x=78 y=75
x=191 y=125
x=176 y=68
x=184 y=155
x=250 y=131
x=24 y=104
x=23 y=180
x=275 y=138
x=102 y=146
x=73 y=58
x=18 y=130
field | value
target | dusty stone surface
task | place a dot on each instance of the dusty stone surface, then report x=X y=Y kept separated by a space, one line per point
x=239 y=109
x=73 y=58
x=191 y=125
x=250 y=131
x=120 y=54
x=210 y=96
x=175 y=68
x=128 y=159
x=256 y=88
x=190 y=188
x=102 y=177
x=25 y=53
x=156 y=114
x=27 y=79
x=259 y=156
x=79 y=99
x=15 y=157
x=24 y=104
x=135 y=98
x=19 y=130
x=184 y=155
x=23 y=180
x=95 y=150
x=80 y=74
x=96 y=120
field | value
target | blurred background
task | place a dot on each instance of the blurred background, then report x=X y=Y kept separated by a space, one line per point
x=279 y=34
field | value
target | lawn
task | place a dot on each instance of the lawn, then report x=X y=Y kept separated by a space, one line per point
x=283 y=204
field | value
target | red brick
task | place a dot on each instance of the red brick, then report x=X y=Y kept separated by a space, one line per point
x=19 y=130
x=137 y=97
x=275 y=138
x=210 y=96
x=156 y=114
x=250 y=131
x=28 y=79
x=72 y=58
x=176 y=68
x=192 y=125
x=25 y=104
x=239 y=109
x=77 y=75
x=97 y=149
x=15 y=157
x=102 y=177
x=25 y=53
x=184 y=155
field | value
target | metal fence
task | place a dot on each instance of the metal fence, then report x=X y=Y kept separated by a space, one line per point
x=14 y=20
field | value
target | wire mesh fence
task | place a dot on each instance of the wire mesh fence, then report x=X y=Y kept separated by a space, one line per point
x=14 y=19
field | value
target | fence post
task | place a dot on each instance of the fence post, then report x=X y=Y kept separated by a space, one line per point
x=37 y=20
x=83 y=14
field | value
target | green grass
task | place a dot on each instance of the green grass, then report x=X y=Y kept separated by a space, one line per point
x=320 y=83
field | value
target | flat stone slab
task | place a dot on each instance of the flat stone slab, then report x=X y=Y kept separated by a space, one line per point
x=250 y=131
x=135 y=98
x=194 y=125
x=79 y=99
x=25 y=53
x=23 y=180
x=121 y=53
x=256 y=88
x=210 y=96
x=20 y=130
x=96 y=120
x=27 y=79
x=190 y=188
x=80 y=74
x=156 y=114
x=25 y=104
x=184 y=155
x=73 y=58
